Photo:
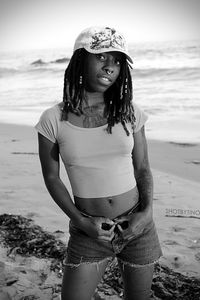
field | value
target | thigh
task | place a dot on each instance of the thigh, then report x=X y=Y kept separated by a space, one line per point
x=80 y=282
x=137 y=281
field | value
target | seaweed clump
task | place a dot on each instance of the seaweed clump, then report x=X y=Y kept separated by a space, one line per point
x=167 y=284
x=22 y=236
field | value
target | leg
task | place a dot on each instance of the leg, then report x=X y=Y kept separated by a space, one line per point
x=137 y=281
x=80 y=282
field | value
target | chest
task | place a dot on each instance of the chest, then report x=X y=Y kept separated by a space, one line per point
x=90 y=119
x=77 y=143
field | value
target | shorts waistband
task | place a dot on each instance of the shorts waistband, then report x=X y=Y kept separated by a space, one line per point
x=128 y=212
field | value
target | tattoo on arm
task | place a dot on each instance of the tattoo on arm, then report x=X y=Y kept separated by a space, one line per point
x=144 y=181
x=142 y=171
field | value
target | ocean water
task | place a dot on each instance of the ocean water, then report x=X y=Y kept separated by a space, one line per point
x=166 y=82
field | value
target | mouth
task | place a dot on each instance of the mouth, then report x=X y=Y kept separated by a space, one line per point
x=105 y=79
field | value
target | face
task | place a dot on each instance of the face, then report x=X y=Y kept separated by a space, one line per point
x=102 y=70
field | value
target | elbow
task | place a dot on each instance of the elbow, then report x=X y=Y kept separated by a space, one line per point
x=143 y=172
x=50 y=179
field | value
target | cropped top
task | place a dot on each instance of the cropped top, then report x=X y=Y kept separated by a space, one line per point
x=98 y=164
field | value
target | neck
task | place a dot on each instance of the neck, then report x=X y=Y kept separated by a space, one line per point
x=94 y=98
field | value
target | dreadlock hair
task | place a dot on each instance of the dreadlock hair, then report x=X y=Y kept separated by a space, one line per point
x=118 y=105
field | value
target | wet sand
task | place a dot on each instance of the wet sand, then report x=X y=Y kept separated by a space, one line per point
x=176 y=171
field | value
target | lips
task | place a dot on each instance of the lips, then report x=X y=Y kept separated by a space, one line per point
x=105 y=78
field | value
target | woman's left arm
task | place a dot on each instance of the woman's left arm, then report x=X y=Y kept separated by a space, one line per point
x=143 y=175
x=137 y=221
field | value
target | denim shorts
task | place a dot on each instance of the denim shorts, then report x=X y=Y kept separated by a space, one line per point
x=143 y=249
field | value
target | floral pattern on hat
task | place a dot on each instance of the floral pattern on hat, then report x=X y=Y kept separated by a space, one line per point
x=107 y=38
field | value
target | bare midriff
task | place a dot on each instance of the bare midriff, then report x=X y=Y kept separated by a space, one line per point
x=109 y=207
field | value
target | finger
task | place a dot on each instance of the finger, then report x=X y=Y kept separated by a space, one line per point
x=106 y=238
x=130 y=237
x=108 y=221
x=107 y=233
x=125 y=233
x=120 y=228
x=133 y=235
x=121 y=219
x=112 y=229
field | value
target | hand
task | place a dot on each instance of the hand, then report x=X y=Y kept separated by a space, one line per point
x=134 y=224
x=98 y=227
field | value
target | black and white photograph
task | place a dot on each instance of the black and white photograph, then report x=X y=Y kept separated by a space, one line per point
x=99 y=150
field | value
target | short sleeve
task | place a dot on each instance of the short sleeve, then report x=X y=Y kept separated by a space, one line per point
x=140 y=117
x=47 y=125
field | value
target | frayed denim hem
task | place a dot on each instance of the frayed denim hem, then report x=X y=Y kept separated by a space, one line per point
x=133 y=265
x=74 y=265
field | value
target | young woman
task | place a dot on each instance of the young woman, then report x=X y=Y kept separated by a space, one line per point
x=99 y=133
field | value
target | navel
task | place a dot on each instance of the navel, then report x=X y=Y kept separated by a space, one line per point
x=110 y=200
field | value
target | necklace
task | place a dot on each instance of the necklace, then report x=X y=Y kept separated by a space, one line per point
x=94 y=115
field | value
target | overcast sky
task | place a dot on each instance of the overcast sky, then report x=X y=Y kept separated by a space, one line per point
x=35 y=24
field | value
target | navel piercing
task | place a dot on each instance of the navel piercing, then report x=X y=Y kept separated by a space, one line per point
x=80 y=80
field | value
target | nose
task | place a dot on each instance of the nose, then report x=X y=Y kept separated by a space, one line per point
x=108 y=70
x=109 y=66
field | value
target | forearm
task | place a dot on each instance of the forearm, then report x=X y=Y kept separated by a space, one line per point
x=62 y=197
x=144 y=181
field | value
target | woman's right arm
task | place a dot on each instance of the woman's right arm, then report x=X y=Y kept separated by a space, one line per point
x=49 y=159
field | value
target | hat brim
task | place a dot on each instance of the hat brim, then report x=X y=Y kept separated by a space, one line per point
x=96 y=51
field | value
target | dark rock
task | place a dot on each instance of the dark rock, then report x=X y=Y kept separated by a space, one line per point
x=38 y=62
x=61 y=60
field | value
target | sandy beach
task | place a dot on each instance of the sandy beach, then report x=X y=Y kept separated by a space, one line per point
x=176 y=171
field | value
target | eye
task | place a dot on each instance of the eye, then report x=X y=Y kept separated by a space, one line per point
x=101 y=57
x=117 y=62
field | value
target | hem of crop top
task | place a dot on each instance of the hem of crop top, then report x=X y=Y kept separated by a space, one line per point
x=108 y=195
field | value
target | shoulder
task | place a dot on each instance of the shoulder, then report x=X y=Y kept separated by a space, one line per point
x=53 y=112
x=49 y=122
x=140 y=116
